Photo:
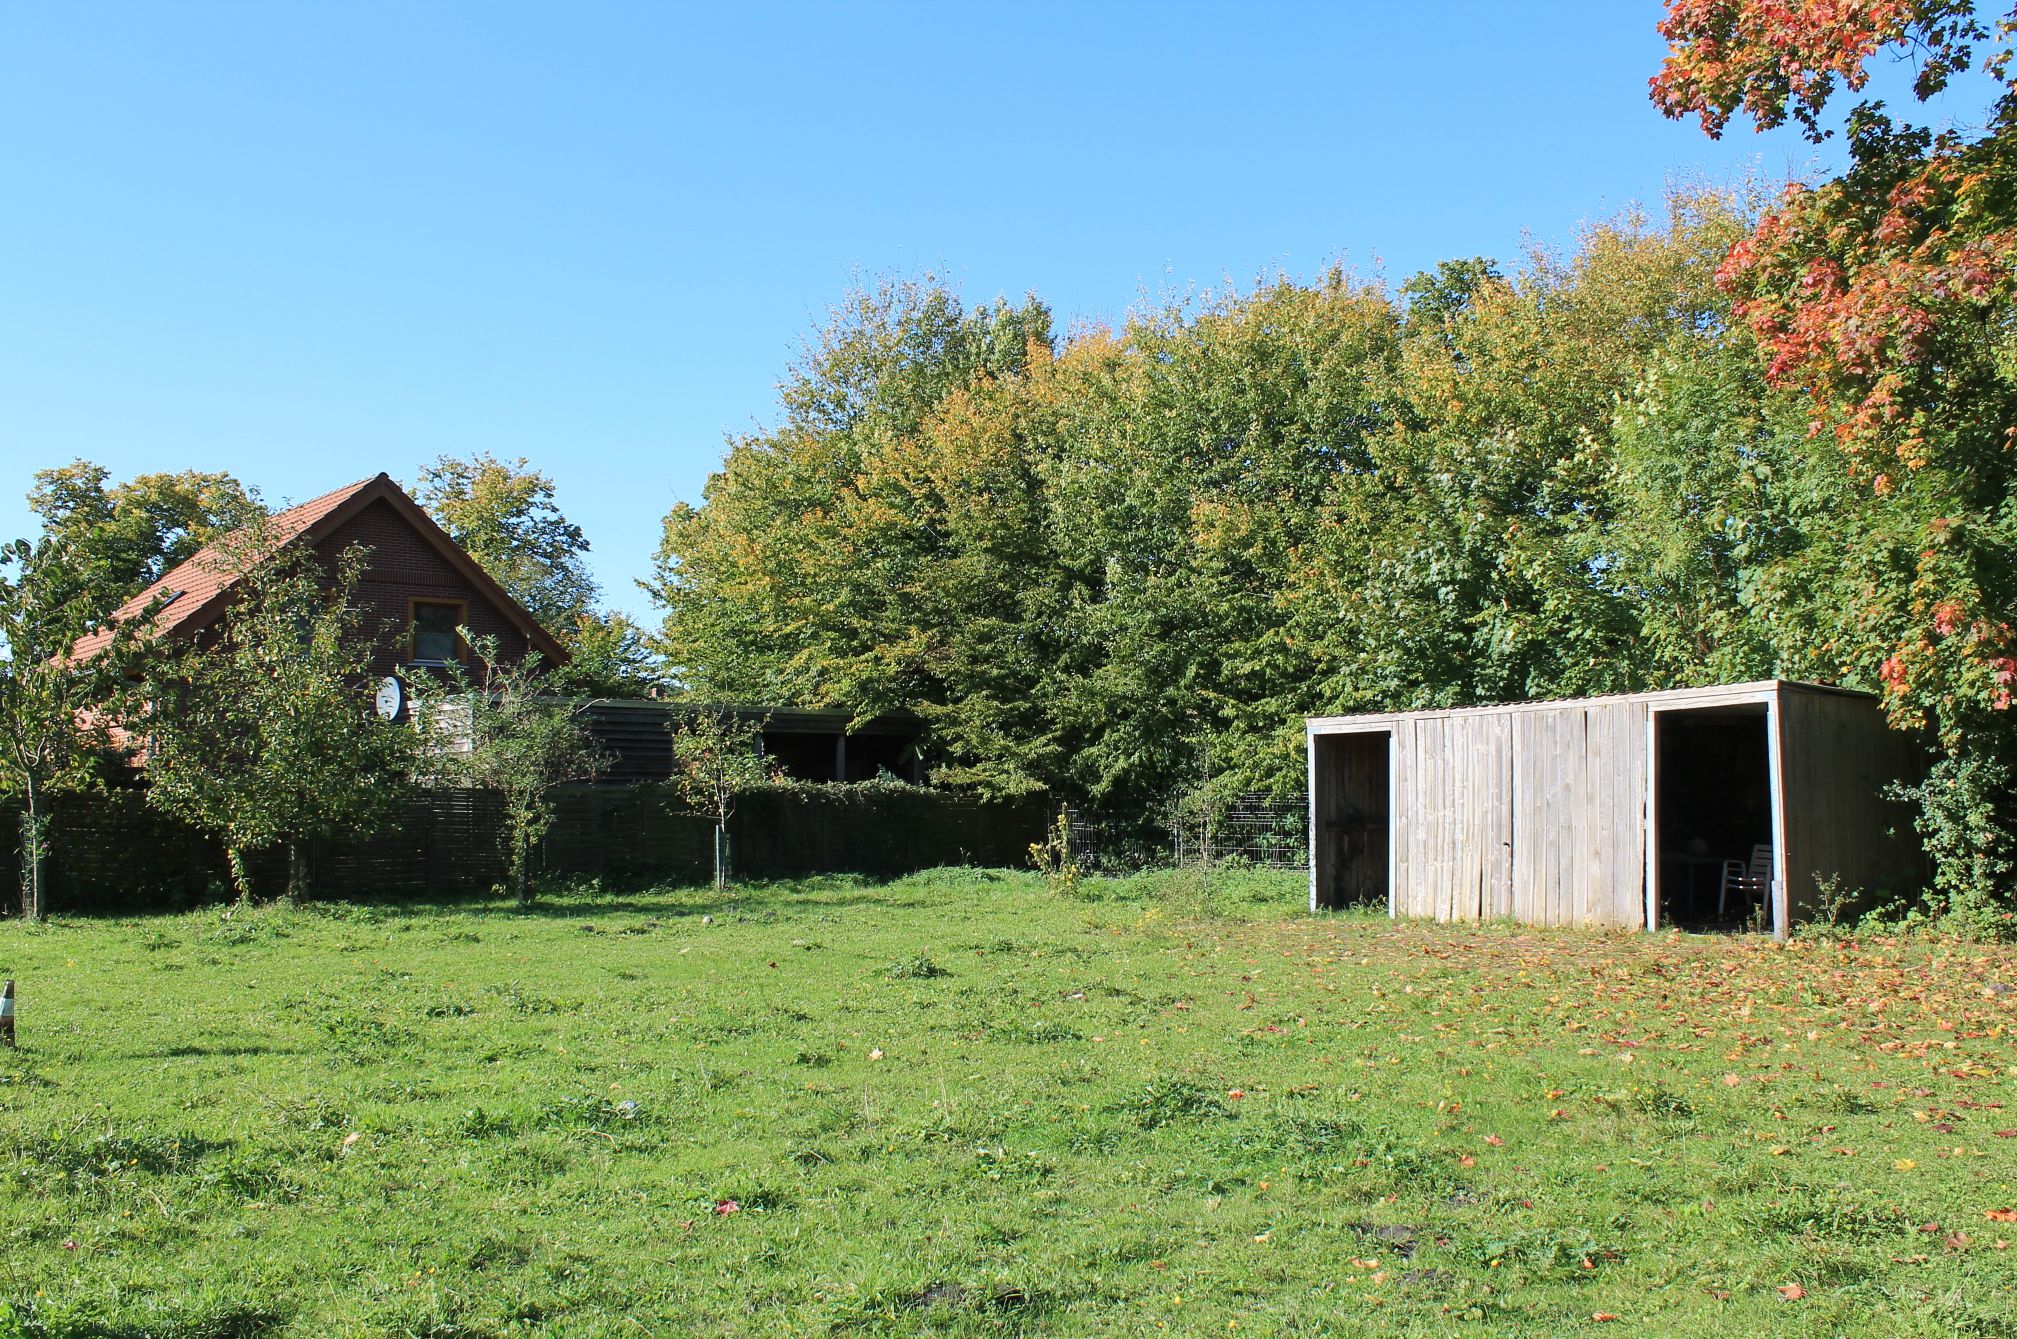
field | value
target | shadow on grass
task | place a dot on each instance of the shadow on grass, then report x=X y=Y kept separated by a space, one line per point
x=211 y=1052
x=642 y=896
x=245 y=1322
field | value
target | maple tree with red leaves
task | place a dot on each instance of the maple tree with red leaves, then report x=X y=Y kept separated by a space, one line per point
x=1887 y=295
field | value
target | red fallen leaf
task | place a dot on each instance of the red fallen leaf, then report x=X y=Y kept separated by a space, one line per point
x=1494 y=1140
x=2001 y=1215
x=1792 y=1292
x=1605 y=1315
x=726 y=1207
x=2006 y=1134
x=1956 y=1241
x=1467 y=1161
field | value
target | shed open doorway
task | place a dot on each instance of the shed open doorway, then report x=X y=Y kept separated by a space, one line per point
x=1352 y=832
x=1712 y=804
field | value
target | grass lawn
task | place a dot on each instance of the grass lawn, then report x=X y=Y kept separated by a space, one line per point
x=960 y=1104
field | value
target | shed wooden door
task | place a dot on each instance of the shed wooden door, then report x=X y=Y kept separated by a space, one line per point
x=1455 y=792
x=1579 y=815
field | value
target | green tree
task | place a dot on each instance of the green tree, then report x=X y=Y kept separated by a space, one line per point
x=1883 y=299
x=53 y=722
x=608 y=656
x=771 y=593
x=502 y=729
x=125 y=536
x=717 y=756
x=264 y=735
x=504 y=516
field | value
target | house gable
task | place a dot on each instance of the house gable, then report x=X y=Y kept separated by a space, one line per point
x=410 y=559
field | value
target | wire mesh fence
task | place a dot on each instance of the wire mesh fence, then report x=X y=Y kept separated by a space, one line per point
x=1254 y=828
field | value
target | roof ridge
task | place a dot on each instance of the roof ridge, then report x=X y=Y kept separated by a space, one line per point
x=210 y=567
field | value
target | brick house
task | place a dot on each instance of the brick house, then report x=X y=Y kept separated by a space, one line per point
x=419 y=586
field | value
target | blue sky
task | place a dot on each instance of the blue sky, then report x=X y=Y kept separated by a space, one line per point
x=307 y=243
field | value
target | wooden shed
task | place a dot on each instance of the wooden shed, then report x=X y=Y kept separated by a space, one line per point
x=1611 y=810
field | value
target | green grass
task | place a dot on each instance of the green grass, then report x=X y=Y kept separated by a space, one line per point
x=958 y=1104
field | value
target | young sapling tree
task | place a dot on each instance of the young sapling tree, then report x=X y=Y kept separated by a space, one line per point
x=501 y=729
x=53 y=726
x=717 y=755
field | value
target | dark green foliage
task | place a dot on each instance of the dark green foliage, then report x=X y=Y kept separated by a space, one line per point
x=265 y=737
x=1119 y=569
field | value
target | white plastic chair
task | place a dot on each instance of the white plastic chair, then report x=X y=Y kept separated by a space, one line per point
x=1747 y=881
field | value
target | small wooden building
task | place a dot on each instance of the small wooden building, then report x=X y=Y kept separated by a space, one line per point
x=807 y=745
x=1611 y=810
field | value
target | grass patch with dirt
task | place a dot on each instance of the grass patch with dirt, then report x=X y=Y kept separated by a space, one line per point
x=960 y=1104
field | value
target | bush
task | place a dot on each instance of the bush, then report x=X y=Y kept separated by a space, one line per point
x=1968 y=821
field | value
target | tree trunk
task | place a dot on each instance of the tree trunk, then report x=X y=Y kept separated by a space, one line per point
x=241 y=877
x=297 y=874
x=34 y=855
x=520 y=858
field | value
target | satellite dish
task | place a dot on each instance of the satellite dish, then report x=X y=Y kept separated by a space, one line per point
x=391 y=697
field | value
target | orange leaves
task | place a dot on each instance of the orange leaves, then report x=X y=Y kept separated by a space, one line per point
x=1792 y=1292
x=2001 y=1215
x=1770 y=59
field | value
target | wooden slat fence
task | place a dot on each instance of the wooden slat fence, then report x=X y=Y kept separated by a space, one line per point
x=113 y=853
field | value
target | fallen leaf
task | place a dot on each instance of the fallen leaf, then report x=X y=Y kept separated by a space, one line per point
x=1792 y=1292
x=1494 y=1141
x=1605 y=1315
x=2001 y=1215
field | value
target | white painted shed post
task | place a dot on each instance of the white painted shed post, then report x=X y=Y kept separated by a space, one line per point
x=1775 y=723
x=1652 y=817
x=1393 y=819
x=1315 y=837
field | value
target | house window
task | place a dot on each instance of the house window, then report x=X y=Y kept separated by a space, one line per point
x=435 y=639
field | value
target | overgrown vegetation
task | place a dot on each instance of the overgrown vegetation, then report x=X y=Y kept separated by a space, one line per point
x=52 y=734
x=961 y=1105
x=1728 y=441
x=264 y=736
x=497 y=727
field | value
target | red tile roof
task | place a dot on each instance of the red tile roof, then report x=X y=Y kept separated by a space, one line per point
x=196 y=591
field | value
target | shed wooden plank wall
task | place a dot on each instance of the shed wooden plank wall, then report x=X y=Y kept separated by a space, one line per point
x=1454 y=778
x=1838 y=758
x=1578 y=832
x=1538 y=811
x=1536 y=815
